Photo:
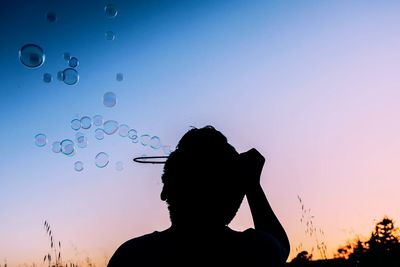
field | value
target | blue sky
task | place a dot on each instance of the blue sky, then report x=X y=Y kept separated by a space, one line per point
x=313 y=85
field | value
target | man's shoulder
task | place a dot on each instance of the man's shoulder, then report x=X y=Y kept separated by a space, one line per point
x=135 y=249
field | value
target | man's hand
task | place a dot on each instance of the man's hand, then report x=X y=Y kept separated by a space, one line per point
x=252 y=163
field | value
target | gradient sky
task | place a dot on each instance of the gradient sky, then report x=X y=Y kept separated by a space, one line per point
x=313 y=85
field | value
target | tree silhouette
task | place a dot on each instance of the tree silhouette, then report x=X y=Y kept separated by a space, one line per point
x=382 y=248
x=384 y=245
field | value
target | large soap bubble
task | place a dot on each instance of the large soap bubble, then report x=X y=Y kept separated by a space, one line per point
x=155 y=142
x=75 y=124
x=78 y=166
x=109 y=99
x=31 y=55
x=99 y=134
x=123 y=130
x=40 y=140
x=67 y=147
x=86 y=122
x=101 y=160
x=73 y=62
x=56 y=147
x=110 y=35
x=110 y=11
x=97 y=120
x=71 y=76
x=110 y=127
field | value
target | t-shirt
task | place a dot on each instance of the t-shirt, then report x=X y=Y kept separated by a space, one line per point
x=226 y=248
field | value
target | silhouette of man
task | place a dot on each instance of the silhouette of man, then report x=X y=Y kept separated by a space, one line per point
x=204 y=182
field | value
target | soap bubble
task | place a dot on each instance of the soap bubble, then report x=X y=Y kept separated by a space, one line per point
x=40 y=140
x=78 y=166
x=119 y=165
x=120 y=77
x=73 y=62
x=110 y=127
x=47 y=78
x=51 y=17
x=123 y=130
x=75 y=124
x=67 y=56
x=101 y=160
x=71 y=76
x=60 y=75
x=97 y=120
x=86 y=122
x=155 y=142
x=56 y=147
x=132 y=134
x=99 y=134
x=145 y=139
x=110 y=10
x=109 y=99
x=67 y=147
x=31 y=55
x=81 y=140
x=110 y=35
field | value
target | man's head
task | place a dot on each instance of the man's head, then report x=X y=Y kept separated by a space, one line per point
x=201 y=179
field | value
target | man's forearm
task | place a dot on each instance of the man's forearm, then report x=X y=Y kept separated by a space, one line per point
x=264 y=217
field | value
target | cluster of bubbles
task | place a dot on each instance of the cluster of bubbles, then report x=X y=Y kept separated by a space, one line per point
x=111 y=12
x=103 y=128
x=33 y=56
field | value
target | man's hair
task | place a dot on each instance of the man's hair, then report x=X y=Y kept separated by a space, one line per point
x=201 y=177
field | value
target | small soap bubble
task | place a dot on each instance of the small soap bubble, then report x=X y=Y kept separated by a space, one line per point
x=99 y=134
x=110 y=11
x=86 y=122
x=119 y=165
x=132 y=134
x=109 y=99
x=123 y=130
x=56 y=147
x=73 y=62
x=145 y=139
x=101 y=160
x=60 y=75
x=31 y=55
x=120 y=77
x=51 y=17
x=110 y=127
x=155 y=142
x=47 y=78
x=97 y=120
x=40 y=140
x=67 y=147
x=67 y=56
x=82 y=141
x=110 y=35
x=71 y=76
x=78 y=166
x=167 y=150
x=75 y=124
